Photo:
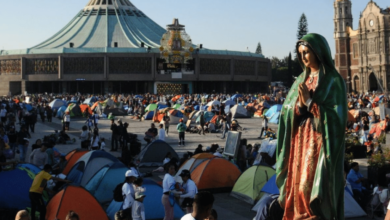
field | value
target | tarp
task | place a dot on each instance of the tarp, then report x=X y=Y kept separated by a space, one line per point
x=151 y=107
x=239 y=111
x=77 y=199
x=152 y=203
x=14 y=189
x=72 y=157
x=192 y=163
x=74 y=110
x=85 y=108
x=88 y=165
x=154 y=153
x=149 y=115
x=57 y=103
x=103 y=183
x=250 y=183
x=215 y=174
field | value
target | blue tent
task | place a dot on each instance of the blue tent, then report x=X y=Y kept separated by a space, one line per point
x=103 y=183
x=56 y=104
x=204 y=108
x=270 y=187
x=196 y=107
x=229 y=102
x=153 y=207
x=90 y=101
x=273 y=110
x=266 y=104
x=149 y=115
x=138 y=97
x=14 y=189
x=88 y=165
x=61 y=111
x=161 y=106
x=236 y=96
x=30 y=167
x=274 y=119
x=207 y=117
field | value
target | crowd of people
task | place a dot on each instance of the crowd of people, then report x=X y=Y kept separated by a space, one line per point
x=197 y=205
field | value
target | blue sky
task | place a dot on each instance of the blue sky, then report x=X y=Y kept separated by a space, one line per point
x=217 y=24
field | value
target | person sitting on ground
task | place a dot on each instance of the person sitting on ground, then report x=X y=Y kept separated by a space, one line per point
x=22 y=215
x=198 y=150
x=202 y=206
x=39 y=157
x=138 y=209
x=355 y=178
x=218 y=153
x=211 y=127
x=64 y=138
x=213 y=215
x=72 y=216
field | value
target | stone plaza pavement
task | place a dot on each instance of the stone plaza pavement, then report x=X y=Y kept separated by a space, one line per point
x=226 y=206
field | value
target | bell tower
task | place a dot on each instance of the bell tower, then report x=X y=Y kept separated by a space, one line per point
x=342 y=23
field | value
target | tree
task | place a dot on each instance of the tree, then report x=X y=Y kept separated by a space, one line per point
x=258 y=49
x=302 y=27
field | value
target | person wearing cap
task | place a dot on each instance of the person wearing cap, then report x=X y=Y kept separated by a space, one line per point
x=128 y=192
x=181 y=128
x=190 y=190
x=138 y=209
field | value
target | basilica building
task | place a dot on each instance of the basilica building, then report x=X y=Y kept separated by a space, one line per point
x=363 y=54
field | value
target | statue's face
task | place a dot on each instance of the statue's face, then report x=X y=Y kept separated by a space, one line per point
x=307 y=56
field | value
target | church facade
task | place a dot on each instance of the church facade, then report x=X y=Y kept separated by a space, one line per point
x=363 y=54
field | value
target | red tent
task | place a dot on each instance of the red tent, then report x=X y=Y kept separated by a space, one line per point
x=77 y=199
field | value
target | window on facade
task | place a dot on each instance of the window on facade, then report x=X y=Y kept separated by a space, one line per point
x=346 y=10
x=104 y=2
x=355 y=50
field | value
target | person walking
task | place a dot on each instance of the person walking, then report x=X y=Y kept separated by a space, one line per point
x=225 y=126
x=23 y=142
x=36 y=191
x=202 y=122
x=264 y=126
x=114 y=136
x=95 y=140
x=66 y=121
x=166 y=120
x=161 y=132
x=49 y=113
x=181 y=128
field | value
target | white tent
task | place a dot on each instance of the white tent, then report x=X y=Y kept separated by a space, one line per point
x=239 y=111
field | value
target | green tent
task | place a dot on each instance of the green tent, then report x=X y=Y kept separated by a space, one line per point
x=151 y=107
x=177 y=106
x=74 y=110
x=250 y=183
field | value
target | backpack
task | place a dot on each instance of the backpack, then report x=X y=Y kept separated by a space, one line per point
x=118 y=193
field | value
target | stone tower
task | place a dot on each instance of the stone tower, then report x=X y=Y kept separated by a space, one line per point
x=342 y=22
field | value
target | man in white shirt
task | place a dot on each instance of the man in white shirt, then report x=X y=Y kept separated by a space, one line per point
x=128 y=192
x=190 y=190
x=203 y=204
x=161 y=132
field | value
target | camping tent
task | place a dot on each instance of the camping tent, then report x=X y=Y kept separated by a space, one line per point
x=176 y=106
x=72 y=157
x=175 y=116
x=29 y=167
x=351 y=207
x=236 y=96
x=74 y=110
x=154 y=153
x=215 y=174
x=207 y=116
x=273 y=110
x=116 y=111
x=77 y=199
x=192 y=163
x=248 y=186
x=14 y=189
x=57 y=103
x=151 y=107
x=149 y=115
x=239 y=111
x=61 y=111
x=85 y=108
x=102 y=184
x=88 y=165
x=153 y=207
x=229 y=102
x=90 y=101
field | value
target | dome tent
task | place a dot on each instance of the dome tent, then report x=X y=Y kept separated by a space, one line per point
x=154 y=153
x=248 y=186
x=72 y=157
x=216 y=174
x=88 y=165
x=192 y=163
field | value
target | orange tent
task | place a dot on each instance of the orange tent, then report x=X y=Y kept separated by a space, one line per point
x=350 y=117
x=72 y=157
x=215 y=174
x=174 y=99
x=192 y=163
x=95 y=104
x=77 y=199
x=354 y=113
x=158 y=116
x=214 y=119
x=85 y=107
x=377 y=128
